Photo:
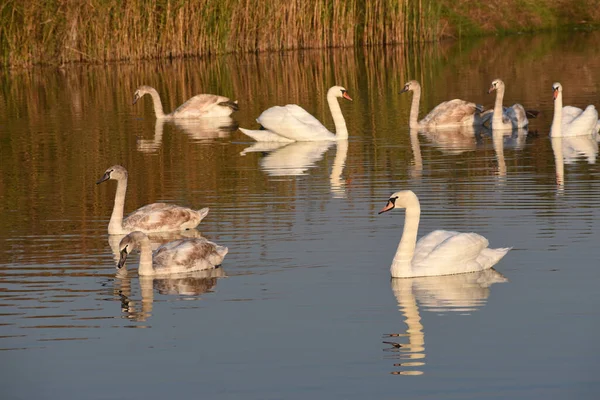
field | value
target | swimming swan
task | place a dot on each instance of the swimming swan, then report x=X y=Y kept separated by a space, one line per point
x=572 y=121
x=447 y=114
x=156 y=217
x=506 y=118
x=292 y=123
x=199 y=106
x=179 y=256
x=440 y=252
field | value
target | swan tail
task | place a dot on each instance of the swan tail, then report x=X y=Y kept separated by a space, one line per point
x=492 y=256
x=231 y=104
x=203 y=212
x=216 y=258
x=263 y=135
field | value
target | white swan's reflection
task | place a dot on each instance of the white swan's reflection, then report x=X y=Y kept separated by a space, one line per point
x=568 y=149
x=197 y=129
x=463 y=293
x=295 y=158
x=191 y=284
x=515 y=140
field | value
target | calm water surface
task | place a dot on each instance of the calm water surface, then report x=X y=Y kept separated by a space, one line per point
x=303 y=303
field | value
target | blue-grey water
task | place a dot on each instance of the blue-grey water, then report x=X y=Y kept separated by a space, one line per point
x=304 y=300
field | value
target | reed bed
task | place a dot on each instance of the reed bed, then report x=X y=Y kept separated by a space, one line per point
x=63 y=31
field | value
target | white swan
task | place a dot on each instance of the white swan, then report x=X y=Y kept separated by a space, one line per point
x=572 y=121
x=179 y=256
x=199 y=106
x=440 y=252
x=505 y=118
x=292 y=123
x=447 y=114
x=156 y=217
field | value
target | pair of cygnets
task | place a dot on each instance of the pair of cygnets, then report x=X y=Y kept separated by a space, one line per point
x=439 y=253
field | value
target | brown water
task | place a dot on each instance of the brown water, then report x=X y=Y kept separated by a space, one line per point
x=303 y=301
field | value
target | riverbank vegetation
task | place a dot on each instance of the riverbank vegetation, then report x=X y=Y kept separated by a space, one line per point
x=62 y=31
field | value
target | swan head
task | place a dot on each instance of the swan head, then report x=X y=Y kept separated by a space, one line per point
x=401 y=199
x=142 y=90
x=115 y=172
x=339 y=91
x=128 y=244
x=410 y=85
x=496 y=84
x=556 y=89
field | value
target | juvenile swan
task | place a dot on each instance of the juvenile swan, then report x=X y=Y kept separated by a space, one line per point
x=199 y=106
x=293 y=123
x=572 y=121
x=179 y=256
x=156 y=217
x=506 y=118
x=440 y=252
x=452 y=113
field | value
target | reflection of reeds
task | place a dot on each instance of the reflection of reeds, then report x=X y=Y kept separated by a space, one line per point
x=59 y=130
x=59 y=31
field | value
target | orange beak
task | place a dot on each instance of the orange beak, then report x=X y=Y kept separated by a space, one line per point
x=555 y=94
x=346 y=96
x=388 y=207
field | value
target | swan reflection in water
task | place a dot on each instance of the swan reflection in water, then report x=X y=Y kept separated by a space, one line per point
x=463 y=293
x=295 y=159
x=197 y=129
x=189 y=286
x=567 y=150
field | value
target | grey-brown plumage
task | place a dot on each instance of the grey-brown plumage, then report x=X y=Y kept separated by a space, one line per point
x=155 y=217
x=179 y=256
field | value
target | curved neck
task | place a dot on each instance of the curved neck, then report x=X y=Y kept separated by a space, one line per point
x=115 y=225
x=414 y=108
x=341 y=132
x=556 y=129
x=145 y=257
x=158 y=108
x=402 y=263
x=498 y=110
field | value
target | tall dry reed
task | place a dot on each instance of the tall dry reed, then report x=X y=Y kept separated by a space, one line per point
x=62 y=31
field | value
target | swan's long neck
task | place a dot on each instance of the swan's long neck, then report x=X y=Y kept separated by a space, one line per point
x=341 y=132
x=145 y=257
x=556 y=129
x=414 y=108
x=115 y=225
x=498 y=110
x=158 y=107
x=402 y=263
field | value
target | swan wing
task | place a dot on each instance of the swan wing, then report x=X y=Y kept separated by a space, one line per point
x=569 y=113
x=185 y=255
x=516 y=115
x=163 y=217
x=584 y=123
x=452 y=253
x=452 y=112
x=205 y=105
x=293 y=122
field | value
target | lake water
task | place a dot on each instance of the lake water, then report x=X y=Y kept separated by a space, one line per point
x=304 y=301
